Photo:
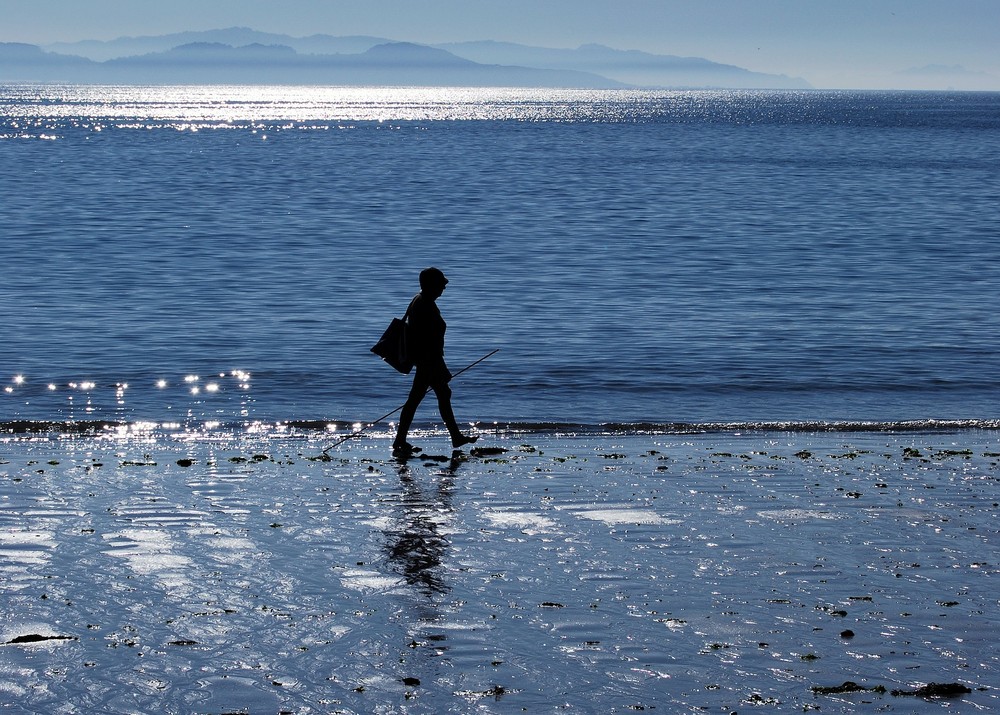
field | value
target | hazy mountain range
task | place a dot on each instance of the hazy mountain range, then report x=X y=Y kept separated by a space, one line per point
x=950 y=76
x=239 y=55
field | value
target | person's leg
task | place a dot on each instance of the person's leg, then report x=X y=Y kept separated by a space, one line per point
x=417 y=392
x=443 y=393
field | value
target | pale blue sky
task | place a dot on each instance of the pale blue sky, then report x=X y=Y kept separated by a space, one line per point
x=831 y=43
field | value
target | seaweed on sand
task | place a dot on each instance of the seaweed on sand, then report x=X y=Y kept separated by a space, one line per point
x=848 y=686
x=935 y=690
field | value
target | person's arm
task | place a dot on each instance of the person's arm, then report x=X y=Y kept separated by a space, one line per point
x=418 y=325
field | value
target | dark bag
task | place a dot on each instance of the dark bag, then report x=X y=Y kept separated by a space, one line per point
x=391 y=347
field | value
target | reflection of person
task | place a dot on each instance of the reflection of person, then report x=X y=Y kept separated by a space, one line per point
x=425 y=345
x=417 y=543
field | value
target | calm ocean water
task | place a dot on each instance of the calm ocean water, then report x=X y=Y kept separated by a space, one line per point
x=229 y=254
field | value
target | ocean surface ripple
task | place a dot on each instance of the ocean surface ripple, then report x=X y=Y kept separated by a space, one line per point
x=202 y=255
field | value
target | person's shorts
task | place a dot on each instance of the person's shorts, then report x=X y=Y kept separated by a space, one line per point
x=434 y=373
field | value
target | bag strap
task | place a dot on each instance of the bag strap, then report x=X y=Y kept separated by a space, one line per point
x=408 y=308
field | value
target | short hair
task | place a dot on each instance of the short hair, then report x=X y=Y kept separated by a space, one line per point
x=432 y=278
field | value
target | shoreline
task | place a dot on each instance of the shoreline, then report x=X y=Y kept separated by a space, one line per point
x=538 y=572
x=337 y=428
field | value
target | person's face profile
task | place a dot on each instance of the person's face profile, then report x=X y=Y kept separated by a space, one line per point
x=435 y=291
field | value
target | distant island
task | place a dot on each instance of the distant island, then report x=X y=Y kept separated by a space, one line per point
x=244 y=56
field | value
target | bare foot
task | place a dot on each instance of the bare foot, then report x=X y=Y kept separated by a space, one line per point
x=462 y=440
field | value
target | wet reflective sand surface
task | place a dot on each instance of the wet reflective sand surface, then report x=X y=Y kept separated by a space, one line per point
x=538 y=573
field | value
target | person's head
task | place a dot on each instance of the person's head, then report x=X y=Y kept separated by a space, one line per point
x=432 y=281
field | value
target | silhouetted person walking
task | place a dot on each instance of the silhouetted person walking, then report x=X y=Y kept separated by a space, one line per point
x=425 y=330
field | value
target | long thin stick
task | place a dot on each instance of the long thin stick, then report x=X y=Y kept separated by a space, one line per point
x=390 y=414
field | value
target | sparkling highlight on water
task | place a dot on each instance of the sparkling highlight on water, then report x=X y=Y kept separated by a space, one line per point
x=120 y=402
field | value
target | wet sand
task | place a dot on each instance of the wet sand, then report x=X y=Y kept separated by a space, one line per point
x=538 y=573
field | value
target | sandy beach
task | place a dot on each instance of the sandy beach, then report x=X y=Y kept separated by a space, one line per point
x=538 y=573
